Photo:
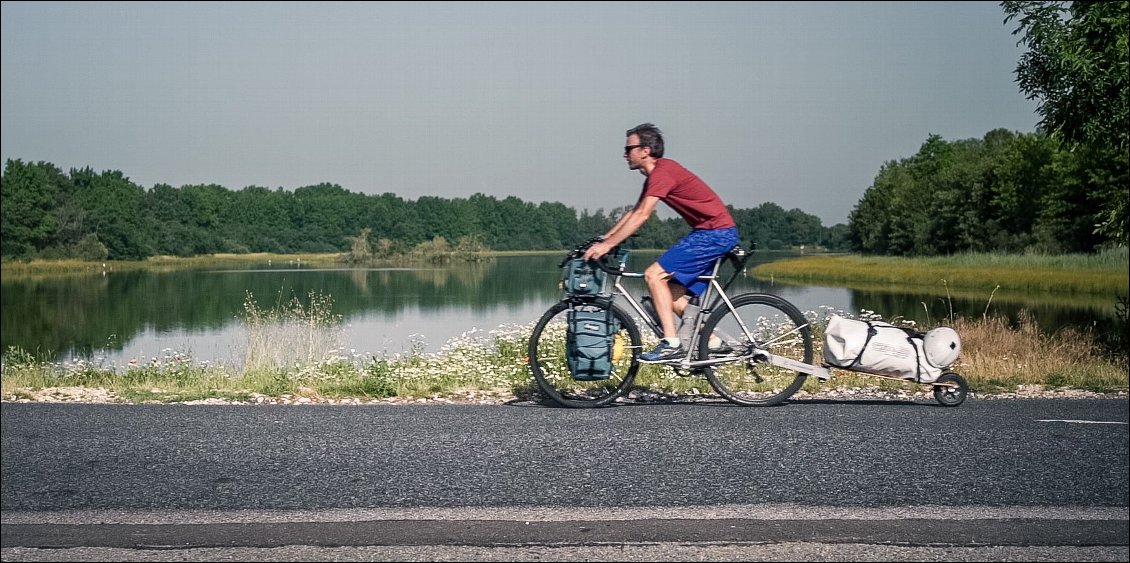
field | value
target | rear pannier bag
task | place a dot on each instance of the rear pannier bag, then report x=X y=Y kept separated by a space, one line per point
x=884 y=349
x=588 y=344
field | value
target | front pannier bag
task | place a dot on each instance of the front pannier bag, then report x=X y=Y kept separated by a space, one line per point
x=885 y=349
x=588 y=344
x=582 y=278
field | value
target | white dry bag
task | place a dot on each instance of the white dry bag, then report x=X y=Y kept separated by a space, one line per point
x=885 y=349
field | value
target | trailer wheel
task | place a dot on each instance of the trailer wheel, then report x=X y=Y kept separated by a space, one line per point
x=950 y=389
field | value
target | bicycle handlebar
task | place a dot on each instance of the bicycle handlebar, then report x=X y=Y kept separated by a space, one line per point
x=603 y=263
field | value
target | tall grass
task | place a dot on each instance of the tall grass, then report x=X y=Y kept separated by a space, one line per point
x=1003 y=357
x=292 y=332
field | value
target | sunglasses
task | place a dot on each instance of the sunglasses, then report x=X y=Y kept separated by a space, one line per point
x=629 y=148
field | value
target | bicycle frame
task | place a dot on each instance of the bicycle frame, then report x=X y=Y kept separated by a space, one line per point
x=715 y=293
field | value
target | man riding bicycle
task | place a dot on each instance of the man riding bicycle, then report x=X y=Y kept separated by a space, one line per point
x=672 y=279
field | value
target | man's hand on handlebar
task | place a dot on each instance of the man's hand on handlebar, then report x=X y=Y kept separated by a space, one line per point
x=597 y=250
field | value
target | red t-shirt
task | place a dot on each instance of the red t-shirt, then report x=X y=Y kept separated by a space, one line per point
x=688 y=195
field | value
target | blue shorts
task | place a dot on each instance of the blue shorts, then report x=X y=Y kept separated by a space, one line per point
x=694 y=256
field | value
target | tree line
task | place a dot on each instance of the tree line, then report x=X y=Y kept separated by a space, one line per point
x=103 y=215
x=1006 y=192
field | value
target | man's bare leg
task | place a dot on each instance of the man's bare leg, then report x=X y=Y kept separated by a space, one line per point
x=670 y=298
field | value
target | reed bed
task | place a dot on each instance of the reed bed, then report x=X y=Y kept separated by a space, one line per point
x=1105 y=273
x=71 y=267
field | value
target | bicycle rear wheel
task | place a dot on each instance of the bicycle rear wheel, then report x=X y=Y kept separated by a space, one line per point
x=550 y=367
x=764 y=322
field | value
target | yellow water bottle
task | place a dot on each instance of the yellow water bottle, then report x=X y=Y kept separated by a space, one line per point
x=617 y=347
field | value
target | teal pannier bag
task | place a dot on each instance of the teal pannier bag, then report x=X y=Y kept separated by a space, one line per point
x=588 y=343
x=582 y=278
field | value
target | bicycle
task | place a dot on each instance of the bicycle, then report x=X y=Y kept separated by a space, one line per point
x=764 y=357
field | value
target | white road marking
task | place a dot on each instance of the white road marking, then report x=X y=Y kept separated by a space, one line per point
x=1083 y=421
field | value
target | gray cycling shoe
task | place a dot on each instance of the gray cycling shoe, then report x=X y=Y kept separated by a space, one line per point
x=662 y=353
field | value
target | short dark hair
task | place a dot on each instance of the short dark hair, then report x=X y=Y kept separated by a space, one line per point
x=650 y=137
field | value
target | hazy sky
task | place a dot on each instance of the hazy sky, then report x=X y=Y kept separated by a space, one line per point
x=796 y=103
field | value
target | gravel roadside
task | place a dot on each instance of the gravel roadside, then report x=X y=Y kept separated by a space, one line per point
x=101 y=395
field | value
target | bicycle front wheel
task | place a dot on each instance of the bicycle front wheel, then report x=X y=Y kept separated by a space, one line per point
x=761 y=322
x=550 y=365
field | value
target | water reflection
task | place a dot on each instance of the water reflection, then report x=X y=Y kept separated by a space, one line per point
x=139 y=314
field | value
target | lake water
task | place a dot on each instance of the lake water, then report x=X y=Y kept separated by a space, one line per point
x=120 y=317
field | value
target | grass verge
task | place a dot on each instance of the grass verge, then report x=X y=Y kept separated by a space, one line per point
x=292 y=356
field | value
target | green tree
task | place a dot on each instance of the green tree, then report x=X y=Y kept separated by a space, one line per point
x=1072 y=199
x=325 y=215
x=30 y=193
x=837 y=238
x=1077 y=67
x=561 y=224
x=760 y=224
x=259 y=219
x=116 y=212
x=170 y=236
x=870 y=221
x=804 y=229
x=590 y=225
x=1006 y=192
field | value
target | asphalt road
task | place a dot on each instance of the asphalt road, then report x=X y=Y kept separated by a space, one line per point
x=991 y=480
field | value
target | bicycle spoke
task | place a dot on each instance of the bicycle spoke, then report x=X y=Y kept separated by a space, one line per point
x=770 y=324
